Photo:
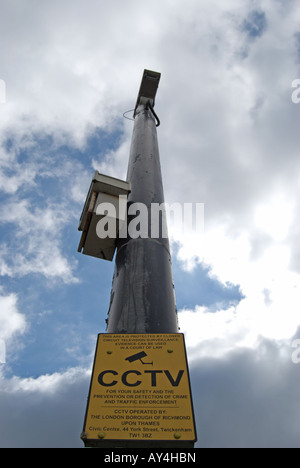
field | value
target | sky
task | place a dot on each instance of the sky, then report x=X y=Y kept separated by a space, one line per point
x=229 y=138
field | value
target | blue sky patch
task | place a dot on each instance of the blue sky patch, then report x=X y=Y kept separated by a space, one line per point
x=255 y=24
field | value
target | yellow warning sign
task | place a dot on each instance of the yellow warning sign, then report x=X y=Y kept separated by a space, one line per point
x=140 y=389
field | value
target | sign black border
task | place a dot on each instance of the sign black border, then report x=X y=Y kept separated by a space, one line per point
x=123 y=443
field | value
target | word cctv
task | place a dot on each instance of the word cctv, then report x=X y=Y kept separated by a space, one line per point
x=147 y=222
x=128 y=379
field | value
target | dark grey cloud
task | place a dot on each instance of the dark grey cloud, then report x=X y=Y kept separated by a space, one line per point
x=249 y=399
x=297 y=45
x=43 y=413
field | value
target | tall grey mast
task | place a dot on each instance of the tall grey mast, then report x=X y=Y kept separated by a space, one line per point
x=142 y=354
x=142 y=296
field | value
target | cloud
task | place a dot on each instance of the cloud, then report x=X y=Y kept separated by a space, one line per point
x=243 y=399
x=46 y=412
x=12 y=322
x=228 y=138
x=35 y=247
x=270 y=290
x=247 y=399
x=12 y=325
x=43 y=187
x=114 y=162
x=76 y=77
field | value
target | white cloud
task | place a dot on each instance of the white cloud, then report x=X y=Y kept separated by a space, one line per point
x=47 y=384
x=12 y=325
x=270 y=288
x=74 y=77
x=12 y=322
x=275 y=218
x=36 y=246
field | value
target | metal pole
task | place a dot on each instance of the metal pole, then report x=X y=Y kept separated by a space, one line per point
x=142 y=296
x=142 y=328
